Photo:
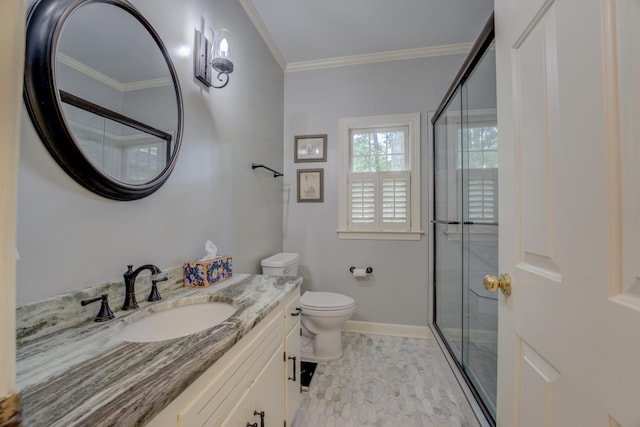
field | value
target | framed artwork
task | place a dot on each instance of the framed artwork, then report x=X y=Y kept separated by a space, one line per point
x=310 y=148
x=310 y=185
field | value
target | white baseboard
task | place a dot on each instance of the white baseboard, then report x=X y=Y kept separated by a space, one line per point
x=409 y=331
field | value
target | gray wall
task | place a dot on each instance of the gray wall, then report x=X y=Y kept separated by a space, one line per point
x=69 y=238
x=398 y=290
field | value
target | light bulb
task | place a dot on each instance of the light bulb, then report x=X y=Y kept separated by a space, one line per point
x=224 y=48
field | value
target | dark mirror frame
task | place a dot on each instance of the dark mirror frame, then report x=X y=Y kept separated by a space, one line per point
x=42 y=99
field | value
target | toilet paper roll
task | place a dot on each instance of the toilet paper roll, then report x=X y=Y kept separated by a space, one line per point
x=359 y=272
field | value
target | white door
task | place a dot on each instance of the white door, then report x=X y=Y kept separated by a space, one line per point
x=568 y=75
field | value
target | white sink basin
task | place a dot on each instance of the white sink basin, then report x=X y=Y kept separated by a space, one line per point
x=177 y=322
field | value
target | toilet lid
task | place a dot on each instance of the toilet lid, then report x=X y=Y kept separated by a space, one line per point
x=325 y=300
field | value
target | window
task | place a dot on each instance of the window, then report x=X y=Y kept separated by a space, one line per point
x=479 y=149
x=380 y=177
x=473 y=172
x=144 y=161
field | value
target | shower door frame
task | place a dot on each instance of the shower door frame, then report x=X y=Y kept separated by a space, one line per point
x=480 y=47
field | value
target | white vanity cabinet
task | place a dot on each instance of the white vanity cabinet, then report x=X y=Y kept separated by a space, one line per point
x=251 y=378
x=292 y=351
x=264 y=402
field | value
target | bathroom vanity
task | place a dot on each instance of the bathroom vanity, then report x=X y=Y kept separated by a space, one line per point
x=234 y=373
x=256 y=381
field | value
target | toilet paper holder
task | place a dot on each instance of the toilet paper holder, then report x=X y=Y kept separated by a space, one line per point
x=369 y=270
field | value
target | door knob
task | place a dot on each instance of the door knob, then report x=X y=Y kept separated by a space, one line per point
x=493 y=283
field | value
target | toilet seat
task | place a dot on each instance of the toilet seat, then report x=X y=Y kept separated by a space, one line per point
x=326 y=301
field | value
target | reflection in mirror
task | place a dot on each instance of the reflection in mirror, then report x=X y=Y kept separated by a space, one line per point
x=121 y=110
x=125 y=150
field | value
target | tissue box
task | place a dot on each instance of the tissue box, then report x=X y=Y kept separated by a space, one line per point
x=202 y=274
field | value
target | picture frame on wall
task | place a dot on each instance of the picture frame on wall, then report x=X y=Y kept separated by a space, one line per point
x=310 y=148
x=310 y=185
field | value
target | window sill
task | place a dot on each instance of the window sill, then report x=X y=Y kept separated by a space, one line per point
x=380 y=235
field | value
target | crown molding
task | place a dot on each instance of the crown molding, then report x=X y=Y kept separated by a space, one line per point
x=97 y=75
x=88 y=71
x=147 y=84
x=369 y=58
x=257 y=21
x=342 y=61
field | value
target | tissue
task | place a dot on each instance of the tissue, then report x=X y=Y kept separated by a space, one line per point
x=211 y=249
x=359 y=272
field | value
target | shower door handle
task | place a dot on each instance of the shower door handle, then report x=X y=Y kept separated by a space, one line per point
x=439 y=221
x=493 y=283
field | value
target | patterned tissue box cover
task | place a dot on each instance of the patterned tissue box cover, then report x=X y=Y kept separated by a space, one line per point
x=202 y=274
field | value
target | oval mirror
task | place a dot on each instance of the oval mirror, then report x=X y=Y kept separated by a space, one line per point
x=103 y=95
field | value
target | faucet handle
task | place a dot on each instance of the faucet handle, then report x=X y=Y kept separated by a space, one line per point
x=155 y=295
x=159 y=277
x=105 y=312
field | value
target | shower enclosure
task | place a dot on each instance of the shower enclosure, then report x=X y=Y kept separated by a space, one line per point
x=465 y=221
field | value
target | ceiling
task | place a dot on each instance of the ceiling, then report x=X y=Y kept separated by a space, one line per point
x=306 y=31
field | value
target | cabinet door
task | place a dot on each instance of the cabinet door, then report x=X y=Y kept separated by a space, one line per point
x=267 y=392
x=239 y=415
x=292 y=374
x=292 y=314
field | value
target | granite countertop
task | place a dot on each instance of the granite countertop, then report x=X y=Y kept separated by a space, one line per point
x=73 y=371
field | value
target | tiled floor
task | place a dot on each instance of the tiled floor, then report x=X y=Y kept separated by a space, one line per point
x=383 y=381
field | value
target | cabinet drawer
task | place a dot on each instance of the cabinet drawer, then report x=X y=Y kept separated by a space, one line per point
x=217 y=399
x=292 y=313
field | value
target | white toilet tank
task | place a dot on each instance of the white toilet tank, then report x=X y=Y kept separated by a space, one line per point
x=282 y=264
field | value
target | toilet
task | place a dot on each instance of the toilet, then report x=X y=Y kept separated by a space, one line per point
x=323 y=313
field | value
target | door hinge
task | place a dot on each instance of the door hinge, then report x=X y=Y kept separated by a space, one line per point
x=284 y=357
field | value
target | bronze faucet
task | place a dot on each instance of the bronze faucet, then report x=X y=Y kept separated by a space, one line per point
x=129 y=284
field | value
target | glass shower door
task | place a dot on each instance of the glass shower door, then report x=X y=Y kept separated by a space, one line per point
x=479 y=159
x=447 y=224
x=465 y=228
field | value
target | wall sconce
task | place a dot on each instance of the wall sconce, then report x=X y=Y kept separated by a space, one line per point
x=214 y=58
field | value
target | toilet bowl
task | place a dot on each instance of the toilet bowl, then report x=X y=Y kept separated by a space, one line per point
x=323 y=314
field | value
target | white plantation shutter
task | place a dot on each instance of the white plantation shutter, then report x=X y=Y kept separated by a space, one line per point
x=362 y=200
x=482 y=190
x=395 y=200
x=379 y=201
